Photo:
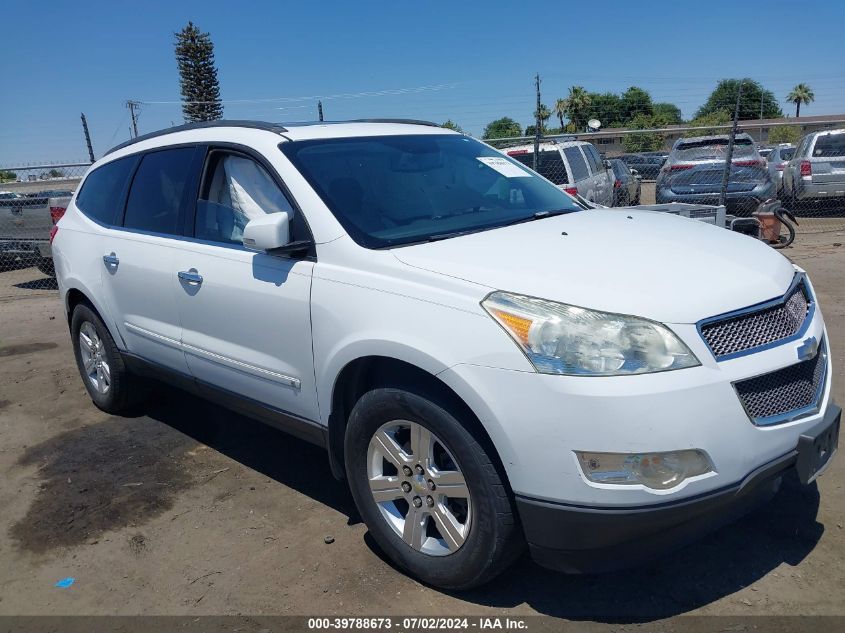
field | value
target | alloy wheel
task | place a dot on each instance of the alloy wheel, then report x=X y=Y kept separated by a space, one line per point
x=419 y=488
x=94 y=359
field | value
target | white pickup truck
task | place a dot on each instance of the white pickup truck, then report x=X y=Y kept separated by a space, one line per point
x=25 y=225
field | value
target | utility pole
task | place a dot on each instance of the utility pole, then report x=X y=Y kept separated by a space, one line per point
x=87 y=137
x=537 y=122
x=132 y=105
x=320 y=110
x=729 y=158
x=760 y=140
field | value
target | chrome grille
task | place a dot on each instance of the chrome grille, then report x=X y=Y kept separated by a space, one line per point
x=756 y=328
x=786 y=393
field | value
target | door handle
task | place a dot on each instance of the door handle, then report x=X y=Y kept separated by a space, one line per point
x=191 y=277
x=111 y=260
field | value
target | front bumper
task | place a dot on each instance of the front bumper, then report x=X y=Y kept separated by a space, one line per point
x=594 y=539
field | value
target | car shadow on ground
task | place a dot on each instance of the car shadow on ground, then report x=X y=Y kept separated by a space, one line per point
x=784 y=531
x=269 y=451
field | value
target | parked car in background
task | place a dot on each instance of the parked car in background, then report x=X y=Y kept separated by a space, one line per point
x=764 y=152
x=9 y=195
x=694 y=170
x=574 y=166
x=777 y=160
x=488 y=364
x=25 y=226
x=816 y=172
x=647 y=166
x=627 y=184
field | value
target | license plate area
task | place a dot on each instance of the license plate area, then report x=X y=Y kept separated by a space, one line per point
x=816 y=448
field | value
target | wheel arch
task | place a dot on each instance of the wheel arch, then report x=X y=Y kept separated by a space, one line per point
x=368 y=372
x=77 y=293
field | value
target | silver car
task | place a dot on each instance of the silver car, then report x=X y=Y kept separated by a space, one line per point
x=816 y=172
x=574 y=166
x=777 y=160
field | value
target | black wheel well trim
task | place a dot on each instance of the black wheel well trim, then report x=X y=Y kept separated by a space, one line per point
x=370 y=372
x=73 y=298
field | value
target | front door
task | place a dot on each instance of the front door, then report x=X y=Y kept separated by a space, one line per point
x=246 y=318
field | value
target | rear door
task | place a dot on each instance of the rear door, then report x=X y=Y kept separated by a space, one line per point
x=580 y=172
x=139 y=256
x=246 y=316
x=602 y=181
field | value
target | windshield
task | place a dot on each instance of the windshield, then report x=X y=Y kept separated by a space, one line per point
x=393 y=190
x=715 y=149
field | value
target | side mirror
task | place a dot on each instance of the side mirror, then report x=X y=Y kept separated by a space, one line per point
x=636 y=174
x=267 y=233
x=607 y=164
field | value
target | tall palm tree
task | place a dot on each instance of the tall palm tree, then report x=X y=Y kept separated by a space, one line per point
x=802 y=93
x=544 y=114
x=577 y=102
x=560 y=111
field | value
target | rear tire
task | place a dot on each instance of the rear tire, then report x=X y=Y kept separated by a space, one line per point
x=452 y=540
x=111 y=387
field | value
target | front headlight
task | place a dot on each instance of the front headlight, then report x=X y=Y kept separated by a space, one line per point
x=565 y=339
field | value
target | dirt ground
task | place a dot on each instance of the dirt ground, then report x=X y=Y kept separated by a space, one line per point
x=190 y=509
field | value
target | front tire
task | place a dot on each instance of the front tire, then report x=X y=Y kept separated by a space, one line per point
x=111 y=387
x=428 y=491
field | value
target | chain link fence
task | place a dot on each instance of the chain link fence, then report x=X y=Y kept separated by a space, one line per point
x=32 y=199
x=611 y=167
x=619 y=167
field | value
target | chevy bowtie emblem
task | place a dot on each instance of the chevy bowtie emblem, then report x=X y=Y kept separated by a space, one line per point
x=808 y=348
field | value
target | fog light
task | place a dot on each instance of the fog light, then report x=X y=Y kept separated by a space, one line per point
x=653 y=470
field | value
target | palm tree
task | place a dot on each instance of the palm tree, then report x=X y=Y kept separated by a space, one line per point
x=577 y=102
x=543 y=114
x=560 y=111
x=802 y=93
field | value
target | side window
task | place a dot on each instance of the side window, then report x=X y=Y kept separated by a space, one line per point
x=157 y=190
x=236 y=190
x=593 y=159
x=576 y=163
x=99 y=197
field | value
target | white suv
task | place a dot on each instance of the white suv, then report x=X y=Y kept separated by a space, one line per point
x=487 y=363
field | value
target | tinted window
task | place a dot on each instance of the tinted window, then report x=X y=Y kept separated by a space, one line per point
x=392 y=190
x=237 y=190
x=715 y=149
x=787 y=154
x=99 y=197
x=596 y=162
x=157 y=189
x=549 y=165
x=576 y=163
x=830 y=145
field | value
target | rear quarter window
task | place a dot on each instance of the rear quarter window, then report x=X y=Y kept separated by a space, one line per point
x=101 y=194
x=549 y=165
x=576 y=163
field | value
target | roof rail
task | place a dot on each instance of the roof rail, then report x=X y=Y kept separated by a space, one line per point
x=256 y=125
x=407 y=121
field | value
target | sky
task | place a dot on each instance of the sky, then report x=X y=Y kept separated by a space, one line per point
x=471 y=62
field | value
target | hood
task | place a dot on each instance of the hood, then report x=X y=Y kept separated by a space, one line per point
x=645 y=263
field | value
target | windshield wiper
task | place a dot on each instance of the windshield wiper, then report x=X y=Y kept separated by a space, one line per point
x=540 y=215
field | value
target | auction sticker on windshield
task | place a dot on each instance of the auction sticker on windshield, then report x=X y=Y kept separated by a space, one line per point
x=504 y=167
